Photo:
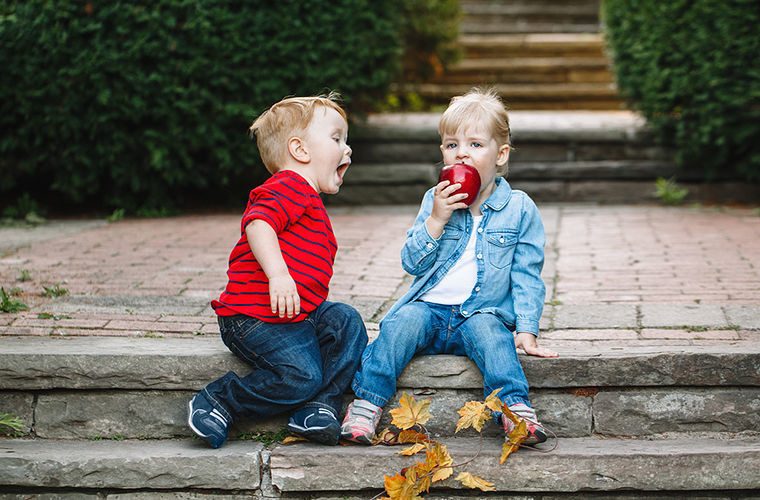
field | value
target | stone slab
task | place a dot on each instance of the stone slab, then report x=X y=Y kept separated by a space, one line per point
x=166 y=464
x=644 y=412
x=33 y=363
x=675 y=315
x=579 y=464
x=595 y=316
x=745 y=317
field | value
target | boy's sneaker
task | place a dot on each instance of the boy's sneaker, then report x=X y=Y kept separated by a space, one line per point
x=536 y=432
x=360 y=422
x=206 y=421
x=315 y=423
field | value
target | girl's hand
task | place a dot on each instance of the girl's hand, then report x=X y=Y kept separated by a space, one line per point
x=283 y=296
x=528 y=343
x=444 y=204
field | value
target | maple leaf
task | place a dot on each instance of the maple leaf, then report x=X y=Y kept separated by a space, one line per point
x=422 y=476
x=412 y=436
x=394 y=485
x=411 y=450
x=473 y=414
x=516 y=436
x=493 y=402
x=293 y=439
x=439 y=458
x=410 y=412
x=471 y=481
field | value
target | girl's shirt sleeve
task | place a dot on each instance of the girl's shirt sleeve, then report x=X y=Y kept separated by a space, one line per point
x=528 y=289
x=420 y=249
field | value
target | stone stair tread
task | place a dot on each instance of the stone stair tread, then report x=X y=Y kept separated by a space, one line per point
x=533 y=39
x=578 y=464
x=528 y=92
x=529 y=63
x=130 y=464
x=190 y=363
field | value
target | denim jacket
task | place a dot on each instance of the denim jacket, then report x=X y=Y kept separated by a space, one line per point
x=510 y=255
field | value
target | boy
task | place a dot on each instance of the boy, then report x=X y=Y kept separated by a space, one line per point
x=273 y=313
x=477 y=277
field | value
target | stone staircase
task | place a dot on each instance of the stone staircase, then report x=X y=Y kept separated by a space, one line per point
x=558 y=156
x=545 y=54
x=108 y=417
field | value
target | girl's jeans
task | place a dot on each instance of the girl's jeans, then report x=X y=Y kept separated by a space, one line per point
x=306 y=363
x=427 y=328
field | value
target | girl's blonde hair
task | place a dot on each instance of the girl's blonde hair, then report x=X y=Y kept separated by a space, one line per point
x=478 y=107
x=284 y=120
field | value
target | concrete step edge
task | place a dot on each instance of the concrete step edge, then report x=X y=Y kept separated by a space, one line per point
x=581 y=464
x=32 y=363
x=578 y=464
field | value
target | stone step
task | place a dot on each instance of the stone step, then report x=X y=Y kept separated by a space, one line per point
x=530 y=17
x=543 y=70
x=178 y=468
x=574 y=156
x=528 y=45
x=539 y=96
x=116 y=387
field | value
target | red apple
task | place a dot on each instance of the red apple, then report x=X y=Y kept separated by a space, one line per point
x=465 y=175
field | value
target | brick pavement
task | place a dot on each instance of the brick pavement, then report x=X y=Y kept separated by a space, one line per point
x=615 y=274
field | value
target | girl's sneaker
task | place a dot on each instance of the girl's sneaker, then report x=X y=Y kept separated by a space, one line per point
x=536 y=432
x=360 y=422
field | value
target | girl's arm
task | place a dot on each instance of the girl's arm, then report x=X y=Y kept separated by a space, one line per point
x=421 y=247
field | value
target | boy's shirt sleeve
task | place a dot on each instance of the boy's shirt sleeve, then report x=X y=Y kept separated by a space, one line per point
x=420 y=249
x=528 y=289
x=278 y=207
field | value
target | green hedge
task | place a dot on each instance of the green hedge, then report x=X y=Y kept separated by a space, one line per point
x=135 y=104
x=692 y=67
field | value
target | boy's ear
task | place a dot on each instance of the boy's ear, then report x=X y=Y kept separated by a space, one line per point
x=298 y=149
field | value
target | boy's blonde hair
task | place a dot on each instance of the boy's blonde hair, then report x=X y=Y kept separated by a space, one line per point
x=285 y=119
x=478 y=107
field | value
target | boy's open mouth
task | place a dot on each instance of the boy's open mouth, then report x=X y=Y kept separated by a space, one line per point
x=342 y=169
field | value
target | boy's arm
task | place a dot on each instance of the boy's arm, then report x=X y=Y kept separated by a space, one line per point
x=283 y=294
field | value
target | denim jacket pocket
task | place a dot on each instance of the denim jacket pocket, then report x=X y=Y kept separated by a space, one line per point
x=501 y=247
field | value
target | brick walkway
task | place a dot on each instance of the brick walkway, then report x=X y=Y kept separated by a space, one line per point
x=622 y=274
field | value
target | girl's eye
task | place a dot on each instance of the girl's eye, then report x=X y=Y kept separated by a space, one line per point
x=451 y=145
x=475 y=144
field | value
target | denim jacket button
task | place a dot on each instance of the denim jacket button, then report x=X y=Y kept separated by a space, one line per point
x=480 y=229
x=430 y=245
x=480 y=256
x=477 y=288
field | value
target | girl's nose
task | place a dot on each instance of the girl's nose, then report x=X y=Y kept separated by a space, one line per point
x=349 y=151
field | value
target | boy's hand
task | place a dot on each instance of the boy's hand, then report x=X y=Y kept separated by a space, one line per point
x=283 y=296
x=528 y=343
x=444 y=204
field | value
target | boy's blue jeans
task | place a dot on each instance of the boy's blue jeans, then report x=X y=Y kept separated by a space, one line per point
x=427 y=328
x=306 y=363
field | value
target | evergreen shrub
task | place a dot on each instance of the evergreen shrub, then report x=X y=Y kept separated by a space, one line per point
x=692 y=67
x=146 y=104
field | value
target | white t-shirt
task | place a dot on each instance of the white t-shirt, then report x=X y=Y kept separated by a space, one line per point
x=457 y=285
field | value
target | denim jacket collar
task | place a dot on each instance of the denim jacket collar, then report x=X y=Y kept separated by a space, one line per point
x=500 y=196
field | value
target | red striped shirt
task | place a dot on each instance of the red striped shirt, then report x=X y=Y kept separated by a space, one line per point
x=296 y=212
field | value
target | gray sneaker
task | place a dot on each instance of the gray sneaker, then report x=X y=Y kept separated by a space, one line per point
x=360 y=422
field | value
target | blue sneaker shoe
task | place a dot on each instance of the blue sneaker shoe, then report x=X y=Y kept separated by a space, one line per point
x=206 y=421
x=316 y=423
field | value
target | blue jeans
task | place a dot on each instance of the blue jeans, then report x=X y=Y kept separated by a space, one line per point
x=306 y=363
x=426 y=328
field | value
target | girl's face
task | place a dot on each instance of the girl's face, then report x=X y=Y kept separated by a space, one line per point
x=476 y=146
